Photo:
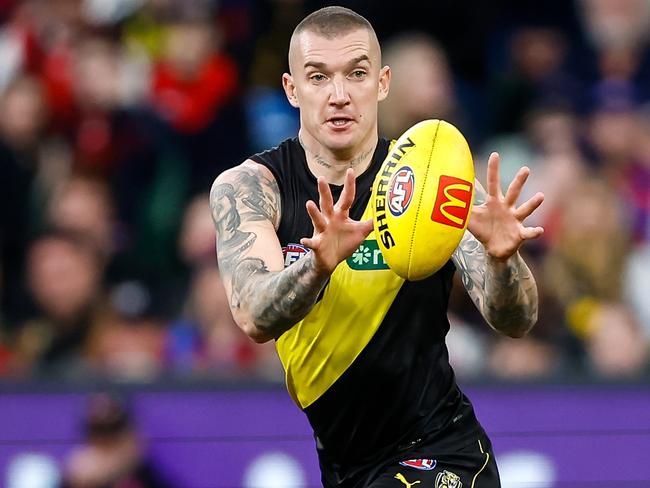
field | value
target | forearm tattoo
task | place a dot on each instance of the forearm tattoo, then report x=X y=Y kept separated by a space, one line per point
x=504 y=292
x=276 y=301
x=273 y=301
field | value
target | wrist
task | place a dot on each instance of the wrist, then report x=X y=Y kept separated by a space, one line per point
x=320 y=269
x=500 y=260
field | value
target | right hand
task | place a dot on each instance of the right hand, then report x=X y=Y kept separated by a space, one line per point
x=336 y=236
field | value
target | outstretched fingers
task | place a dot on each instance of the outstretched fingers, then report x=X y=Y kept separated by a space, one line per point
x=308 y=242
x=531 y=232
x=493 y=185
x=366 y=226
x=325 y=200
x=347 y=195
x=514 y=190
x=317 y=218
x=528 y=207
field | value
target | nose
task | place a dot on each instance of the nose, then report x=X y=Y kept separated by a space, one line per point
x=340 y=95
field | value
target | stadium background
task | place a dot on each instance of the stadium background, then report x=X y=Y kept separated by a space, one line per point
x=117 y=352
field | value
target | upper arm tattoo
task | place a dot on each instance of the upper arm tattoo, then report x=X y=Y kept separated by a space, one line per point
x=249 y=197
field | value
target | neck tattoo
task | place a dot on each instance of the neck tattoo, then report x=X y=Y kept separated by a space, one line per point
x=320 y=160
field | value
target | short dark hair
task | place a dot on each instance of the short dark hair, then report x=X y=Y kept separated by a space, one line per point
x=333 y=21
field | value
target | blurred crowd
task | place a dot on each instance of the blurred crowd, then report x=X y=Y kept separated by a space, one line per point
x=117 y=115
x=110 y=452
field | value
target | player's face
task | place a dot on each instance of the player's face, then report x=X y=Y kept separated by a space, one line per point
x=337 y=83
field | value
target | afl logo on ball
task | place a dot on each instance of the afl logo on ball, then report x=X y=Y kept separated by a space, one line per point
x=400 y=190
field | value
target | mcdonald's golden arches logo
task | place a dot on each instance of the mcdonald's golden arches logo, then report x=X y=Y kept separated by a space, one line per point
x=452 y=202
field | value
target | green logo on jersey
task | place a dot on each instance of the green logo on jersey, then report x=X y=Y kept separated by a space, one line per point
x=367 y=256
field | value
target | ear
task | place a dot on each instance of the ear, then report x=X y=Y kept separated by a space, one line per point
x=384 y=82
x=290 y=89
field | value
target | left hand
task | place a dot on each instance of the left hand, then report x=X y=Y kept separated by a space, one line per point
x=498 y=222
x=336 y=235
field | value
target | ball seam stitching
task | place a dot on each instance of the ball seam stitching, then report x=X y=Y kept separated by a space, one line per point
x=417 y=213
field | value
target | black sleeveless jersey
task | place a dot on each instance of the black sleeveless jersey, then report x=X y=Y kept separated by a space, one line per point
x=369 y=364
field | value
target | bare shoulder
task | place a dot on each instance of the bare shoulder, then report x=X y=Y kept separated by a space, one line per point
x=251 y=188
x=249 y=168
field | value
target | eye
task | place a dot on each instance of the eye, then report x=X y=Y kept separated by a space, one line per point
x=358 y=74
x=317 y=77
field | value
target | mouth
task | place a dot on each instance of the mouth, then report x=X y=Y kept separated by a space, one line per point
x=339 y=122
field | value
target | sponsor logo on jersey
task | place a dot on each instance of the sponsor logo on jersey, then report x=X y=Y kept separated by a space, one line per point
x=367 y=256
x=422 y=464
x=452 y=202
x=400 y=190
x=447 y=479
x=400 y=477
x=293 y=252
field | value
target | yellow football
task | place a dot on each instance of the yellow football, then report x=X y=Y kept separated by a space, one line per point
x=422 y=198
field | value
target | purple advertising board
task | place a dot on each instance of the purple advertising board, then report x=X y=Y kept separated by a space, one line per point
x=543 y=436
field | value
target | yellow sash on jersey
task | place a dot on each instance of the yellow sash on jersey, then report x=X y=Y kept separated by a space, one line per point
x=319 y=349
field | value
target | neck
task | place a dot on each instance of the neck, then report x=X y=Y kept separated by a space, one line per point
x=333 y=165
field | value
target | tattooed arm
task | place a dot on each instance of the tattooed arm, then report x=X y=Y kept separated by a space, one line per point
x=493 y=273
x=267 y=299
x=505 y=292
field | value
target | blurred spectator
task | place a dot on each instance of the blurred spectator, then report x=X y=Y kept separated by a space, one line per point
x=111 y=454
x=127 y=348
x=64 y=273
x=105 y=135
x=628 y=158
x=24 y=114
x=558 y=165
x=536 y=76
x=418 y=61
x=614 y=24
x=194 y=79
x=197 y=239
x=83 y=205
x=58 y=29
x=527 y=359
x=195 y=95
x=587 y=255
x=616 y=345
x=613 y=127
x=95 y=91
x=618 y=32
